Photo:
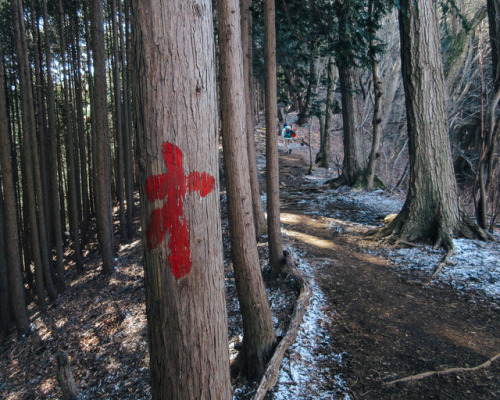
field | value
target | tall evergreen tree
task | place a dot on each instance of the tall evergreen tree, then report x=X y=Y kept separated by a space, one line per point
x=103 y=152
x=272 y=166
x=258 y=331
x=12 y=244
x=176 y=119
x=432 y=209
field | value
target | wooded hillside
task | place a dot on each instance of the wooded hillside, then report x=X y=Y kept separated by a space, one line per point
x=101 y=101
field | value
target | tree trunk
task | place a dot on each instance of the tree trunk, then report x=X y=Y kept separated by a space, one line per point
x=431 y=210
x=272 y=166
x=70 y=152
x=80 y=127
x=304 y=107
x=127 y=122
x=353 y=157
x=12 y=245
x=494 y=24
x=258 y=213
x=5 y=314
x=92 y=140
x=323 y=157
x=176 y=118
x=118 y=127
x=258 y=331
x=28 y=125
x=103 y=154
x=41 y=127
x=376 y=121
x=54 y=187
x=65 y=377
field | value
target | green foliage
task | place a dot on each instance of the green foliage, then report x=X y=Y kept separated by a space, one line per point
x=314 y=29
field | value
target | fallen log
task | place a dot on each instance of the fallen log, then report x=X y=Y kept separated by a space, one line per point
x=272 y=371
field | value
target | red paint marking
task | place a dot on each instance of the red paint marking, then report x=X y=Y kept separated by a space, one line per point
x=173 y=185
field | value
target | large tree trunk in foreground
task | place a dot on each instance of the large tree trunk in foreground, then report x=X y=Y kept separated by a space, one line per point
x=175 y=91
x=258 y=331
x=272 y=166
x=12 y=245
x=432 y=209
x=103 y=152
x=258 y=212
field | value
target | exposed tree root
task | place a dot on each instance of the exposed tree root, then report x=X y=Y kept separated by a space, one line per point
x=443 y=262
x=271 y=375
x=444 y=372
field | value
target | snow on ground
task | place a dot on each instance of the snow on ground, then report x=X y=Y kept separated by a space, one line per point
x=474 y=268
x=304 y=370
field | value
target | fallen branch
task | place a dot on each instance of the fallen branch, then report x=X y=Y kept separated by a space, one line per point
x=444 y=372
x=271 y=375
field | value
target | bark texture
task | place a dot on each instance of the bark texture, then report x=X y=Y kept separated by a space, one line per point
x=354 y=161
x=52 y=139
x=12 y=245
x=103 y=152
x=28 y=126
x=323 y=157
x=258 y=331
x=432 y=209
x=272 y=167
x=246 y=39
x=175 y=91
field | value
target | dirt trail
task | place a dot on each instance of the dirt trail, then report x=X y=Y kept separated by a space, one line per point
x=386 y=325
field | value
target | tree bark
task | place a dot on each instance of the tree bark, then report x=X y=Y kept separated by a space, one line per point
x=118 y=127
x=127 y=122
x=54 y=187
x=103 y=154
x=373 y=161
x=12 y=244
x=28 y=126
x=323 y=157
x=70 y=151
x=258 y=331
x=5 y=314
x=494 y=28
x=176 y=118
x=272 y=166
x=41 y=127
x=353 y=157
x=431 y=210
x=65 y=377
x=80 y=128
x=246 y=38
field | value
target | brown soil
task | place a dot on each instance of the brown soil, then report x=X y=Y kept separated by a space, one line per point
x=390 y=326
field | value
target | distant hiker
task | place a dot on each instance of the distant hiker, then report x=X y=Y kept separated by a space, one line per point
x=288 y=134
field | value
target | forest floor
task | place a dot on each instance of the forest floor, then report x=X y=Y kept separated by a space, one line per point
x=374 y=317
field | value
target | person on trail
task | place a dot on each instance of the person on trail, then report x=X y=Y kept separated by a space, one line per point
x=288 y=134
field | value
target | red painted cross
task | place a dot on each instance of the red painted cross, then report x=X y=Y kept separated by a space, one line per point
x=173 y=185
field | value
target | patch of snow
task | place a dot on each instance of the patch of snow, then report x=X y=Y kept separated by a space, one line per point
x=475 y=266
x=303 y=369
